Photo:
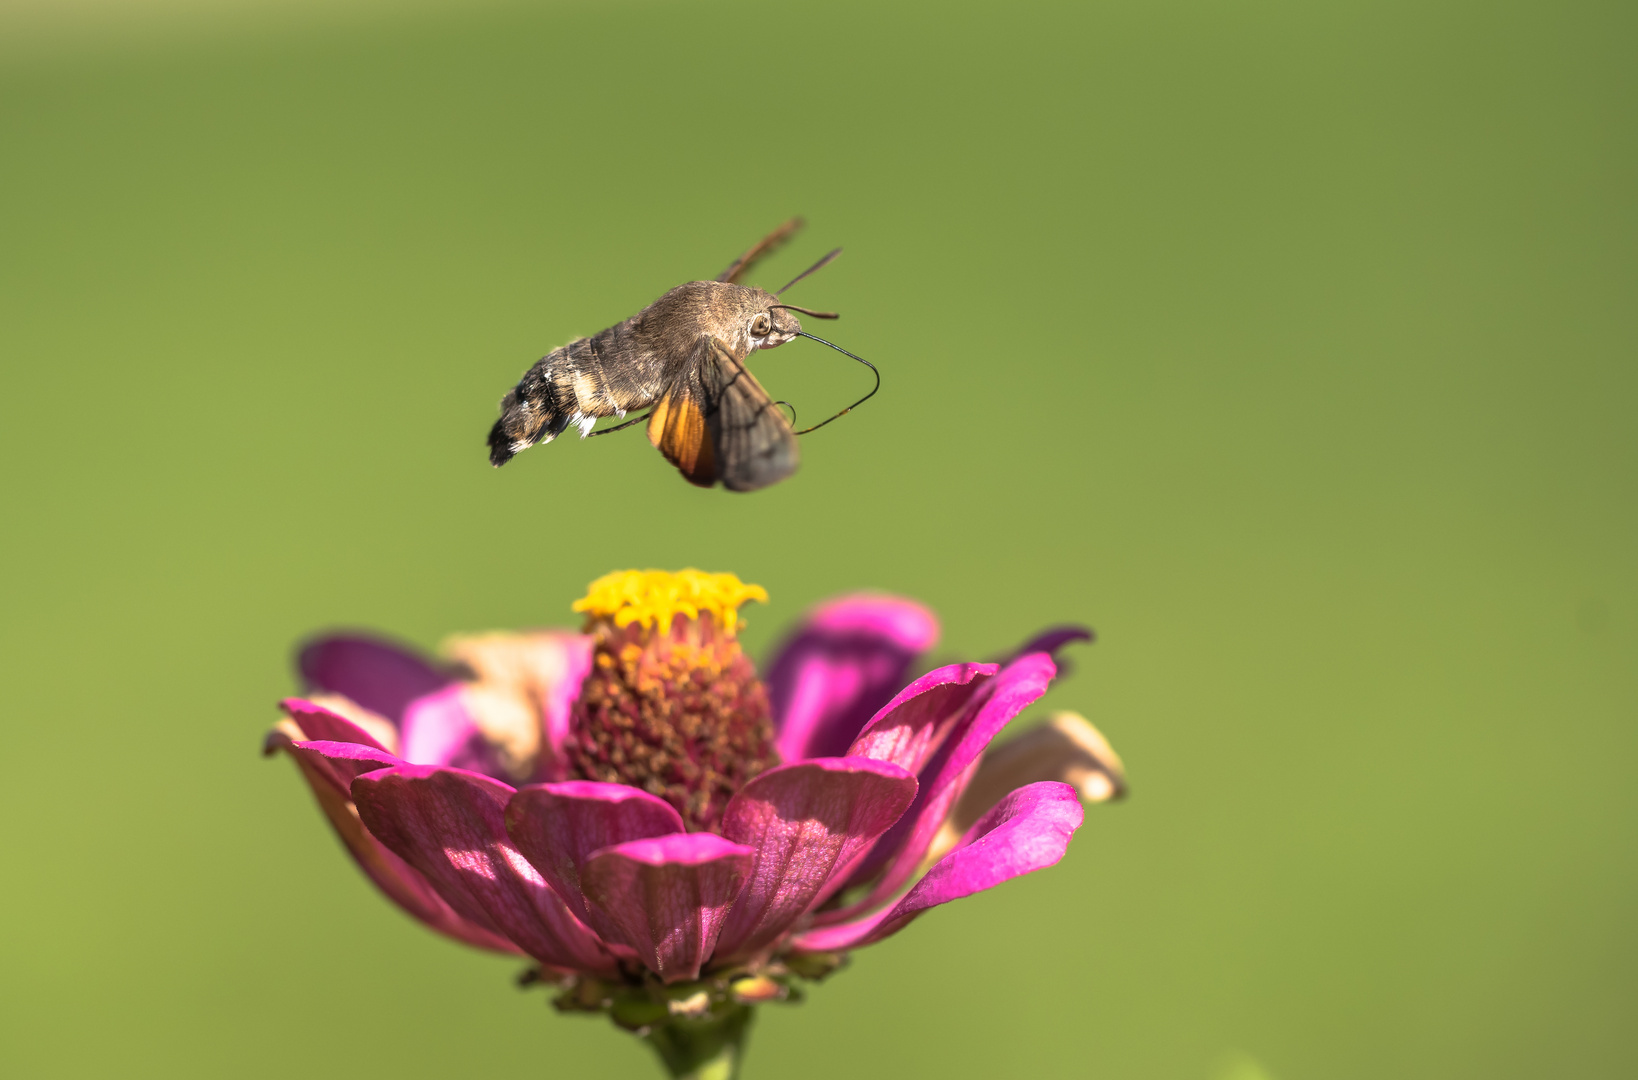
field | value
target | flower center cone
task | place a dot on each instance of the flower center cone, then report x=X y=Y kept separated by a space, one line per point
x=672 y=705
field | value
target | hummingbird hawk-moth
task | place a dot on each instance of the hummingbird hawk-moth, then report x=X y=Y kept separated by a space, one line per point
x=685 y=355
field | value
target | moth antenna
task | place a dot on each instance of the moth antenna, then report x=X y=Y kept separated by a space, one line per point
x=816 y=266
x=805 y=311
x=619 y=427
x=773 y=240
x=844 y=352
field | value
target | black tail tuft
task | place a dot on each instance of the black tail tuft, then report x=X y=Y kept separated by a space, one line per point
x=500 y=445
x=529 y=414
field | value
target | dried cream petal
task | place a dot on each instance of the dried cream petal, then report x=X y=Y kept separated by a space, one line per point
x=290 y=730
x=516 y=678
x=534 y=660
x=375 y=725
x=509 y=722
x=1066 y=748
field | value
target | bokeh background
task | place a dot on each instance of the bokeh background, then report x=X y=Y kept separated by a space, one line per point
x=1290 y=345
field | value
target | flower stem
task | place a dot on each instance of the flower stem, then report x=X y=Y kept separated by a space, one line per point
x=710 y=1047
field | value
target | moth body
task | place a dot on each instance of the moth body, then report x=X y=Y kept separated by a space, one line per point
x=684 y=355
x=633 y=363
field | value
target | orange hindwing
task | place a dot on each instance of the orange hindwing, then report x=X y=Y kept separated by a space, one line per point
x=679 y=431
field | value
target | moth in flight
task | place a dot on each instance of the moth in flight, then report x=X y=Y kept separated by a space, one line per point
x=685 y=356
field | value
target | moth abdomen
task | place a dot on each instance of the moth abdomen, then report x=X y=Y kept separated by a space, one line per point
x=571 y=385
x=532 y=411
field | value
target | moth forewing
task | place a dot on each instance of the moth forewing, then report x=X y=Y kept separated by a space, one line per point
x=755 y=444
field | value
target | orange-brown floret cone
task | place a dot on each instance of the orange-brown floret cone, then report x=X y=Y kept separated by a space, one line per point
x=672 y=705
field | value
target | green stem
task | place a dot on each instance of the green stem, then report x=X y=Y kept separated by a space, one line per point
x=710 y=1047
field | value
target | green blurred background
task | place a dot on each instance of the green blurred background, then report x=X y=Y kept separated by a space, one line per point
x=1290 y=345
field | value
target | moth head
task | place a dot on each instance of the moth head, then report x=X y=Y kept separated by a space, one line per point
x=767 y=321
x=770 y=325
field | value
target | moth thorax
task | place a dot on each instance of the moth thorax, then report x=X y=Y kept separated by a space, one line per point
x=672 y=705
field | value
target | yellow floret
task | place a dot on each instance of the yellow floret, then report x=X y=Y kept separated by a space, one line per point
x=650 y=596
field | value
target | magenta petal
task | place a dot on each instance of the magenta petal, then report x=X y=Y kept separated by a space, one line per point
x=910 y=728
x=839 y=667
x=946 y=772
x=319 y=723
x=908 y=731
x=451 y=826
x=328 y=768
x=558 y=708
x=807 y=823
x=342 y=762
x=378 y=675
x=1028 y=830
x=557 y=826
x=1052 y=639
x=437 y=729
x=668 y=896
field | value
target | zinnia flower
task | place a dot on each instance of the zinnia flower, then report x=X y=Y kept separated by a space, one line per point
x=670 y=839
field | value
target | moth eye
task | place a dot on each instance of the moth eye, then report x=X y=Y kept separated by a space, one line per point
x=760 y=326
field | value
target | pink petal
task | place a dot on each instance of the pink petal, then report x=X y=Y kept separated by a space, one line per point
x=668 y=895
x=557 y=826
x=1028 y=830
x=558 y=700
x=807 y=823
x=1051 y=640
x=341 y=762
x=379 y=675
x=437 y=729
x=317 y=722
x=908 y=731
x=839 y=667
x=328 y=767
x=946 y=772
x=911 y=727
x=451 y=826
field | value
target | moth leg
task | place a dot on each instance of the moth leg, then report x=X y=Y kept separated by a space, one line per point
x=618 y=427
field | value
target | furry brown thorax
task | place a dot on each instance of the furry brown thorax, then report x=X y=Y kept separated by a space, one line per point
x=743 y=317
